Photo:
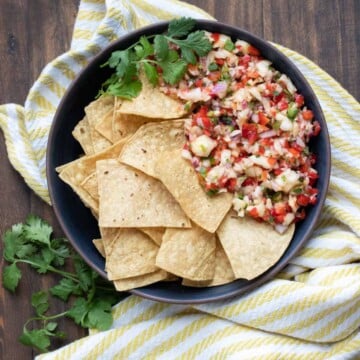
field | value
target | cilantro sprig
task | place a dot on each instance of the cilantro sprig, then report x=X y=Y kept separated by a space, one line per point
x=90 y=297
x=166 y=55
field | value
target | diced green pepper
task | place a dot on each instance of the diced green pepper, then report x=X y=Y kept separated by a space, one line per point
x=213 y=66
x=292 y=111
x=229 y=45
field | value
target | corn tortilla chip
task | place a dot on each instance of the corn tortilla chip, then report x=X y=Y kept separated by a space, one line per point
x=153 y=103
x=149 y=142
x=129 y=198
x=98 y=243
x=155 y=234
x=95 y=112
x=126 y=124
x=252 y=247
x=223 y=272
x=90 y=185
x=104 y=126
x=82 y=134
x=178 y=175
x=75 y=172
x=142 y=280
x=132 y=253
x=188 y=253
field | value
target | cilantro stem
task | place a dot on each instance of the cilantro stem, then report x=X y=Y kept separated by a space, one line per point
x=49 y=268
x=44 y=318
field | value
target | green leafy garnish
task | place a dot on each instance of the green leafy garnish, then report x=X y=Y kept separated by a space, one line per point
x=229 y=45
x=91 y=297
x=163 y=55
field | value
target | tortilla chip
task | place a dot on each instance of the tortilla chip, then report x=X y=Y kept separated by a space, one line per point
x=104 y=126
x=252 y=247
x=178 y=175
x=129 y=198
x=126 y=124
x=132 y=253
x=98 y=243
x=90 y=184
x=153 y=103
x=75 y=172
x=223 y=272
x=95 y=112
x=149 y=142
x=82 y=134
x=138 y=281
x=155 y=234
x=188 y=253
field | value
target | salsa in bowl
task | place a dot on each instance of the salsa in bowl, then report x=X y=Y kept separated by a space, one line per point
x=215 y=165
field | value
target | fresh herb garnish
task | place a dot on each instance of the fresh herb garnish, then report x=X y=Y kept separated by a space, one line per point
x=91 y=297
x=166 y=55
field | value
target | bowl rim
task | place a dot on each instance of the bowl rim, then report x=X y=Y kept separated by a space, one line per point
x=159 y=27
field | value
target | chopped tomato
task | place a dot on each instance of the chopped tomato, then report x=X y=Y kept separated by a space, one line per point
x=263 y=119
x=214 y=76
x=249 y=182
x=254 y=212
x=252 y=50
x=296 y=153
x=302 y=200
x=215 y=36
x=282 y=105
x=307 y=115
x=317 y=128
x=249 y=132
x=272 y=161
x=198 y=83
x=299 y=100
x=220 y=61
x=231 y=184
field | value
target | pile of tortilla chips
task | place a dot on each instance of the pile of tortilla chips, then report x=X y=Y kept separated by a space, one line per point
x=156 y=221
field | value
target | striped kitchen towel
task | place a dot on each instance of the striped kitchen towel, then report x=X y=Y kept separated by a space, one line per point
x=310 y=311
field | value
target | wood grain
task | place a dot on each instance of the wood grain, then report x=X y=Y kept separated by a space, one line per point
x=34 y=32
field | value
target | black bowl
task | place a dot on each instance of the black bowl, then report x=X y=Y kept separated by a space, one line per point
x=77 y=221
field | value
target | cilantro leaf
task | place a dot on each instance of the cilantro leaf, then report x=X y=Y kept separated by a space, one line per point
x=196 y=41
x=31 y=243
x=151 y=73
x=123 y=63
x=180 y=27
x=38 y=338
x=25 y=251
x=139 y=51
x=51 y=326
x=94 y=314
x=173 y=72
x=37 y=230
x=161 y=47
x=12 y=241
x=147 y=46
x=114 y=59
x=188 y=55
x=127 y=63
x=65 y=288
x=125 y=90
x=99 y=315
x=40 y=301
x=84 y=273
x=11 y=276
x=78 y=311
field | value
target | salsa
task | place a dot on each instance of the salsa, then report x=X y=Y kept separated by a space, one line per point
x=248 y=132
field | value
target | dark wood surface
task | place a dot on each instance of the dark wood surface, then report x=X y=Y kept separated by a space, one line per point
x=34 y=32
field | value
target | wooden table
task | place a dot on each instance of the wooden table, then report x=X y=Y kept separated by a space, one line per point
x=34 y=32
